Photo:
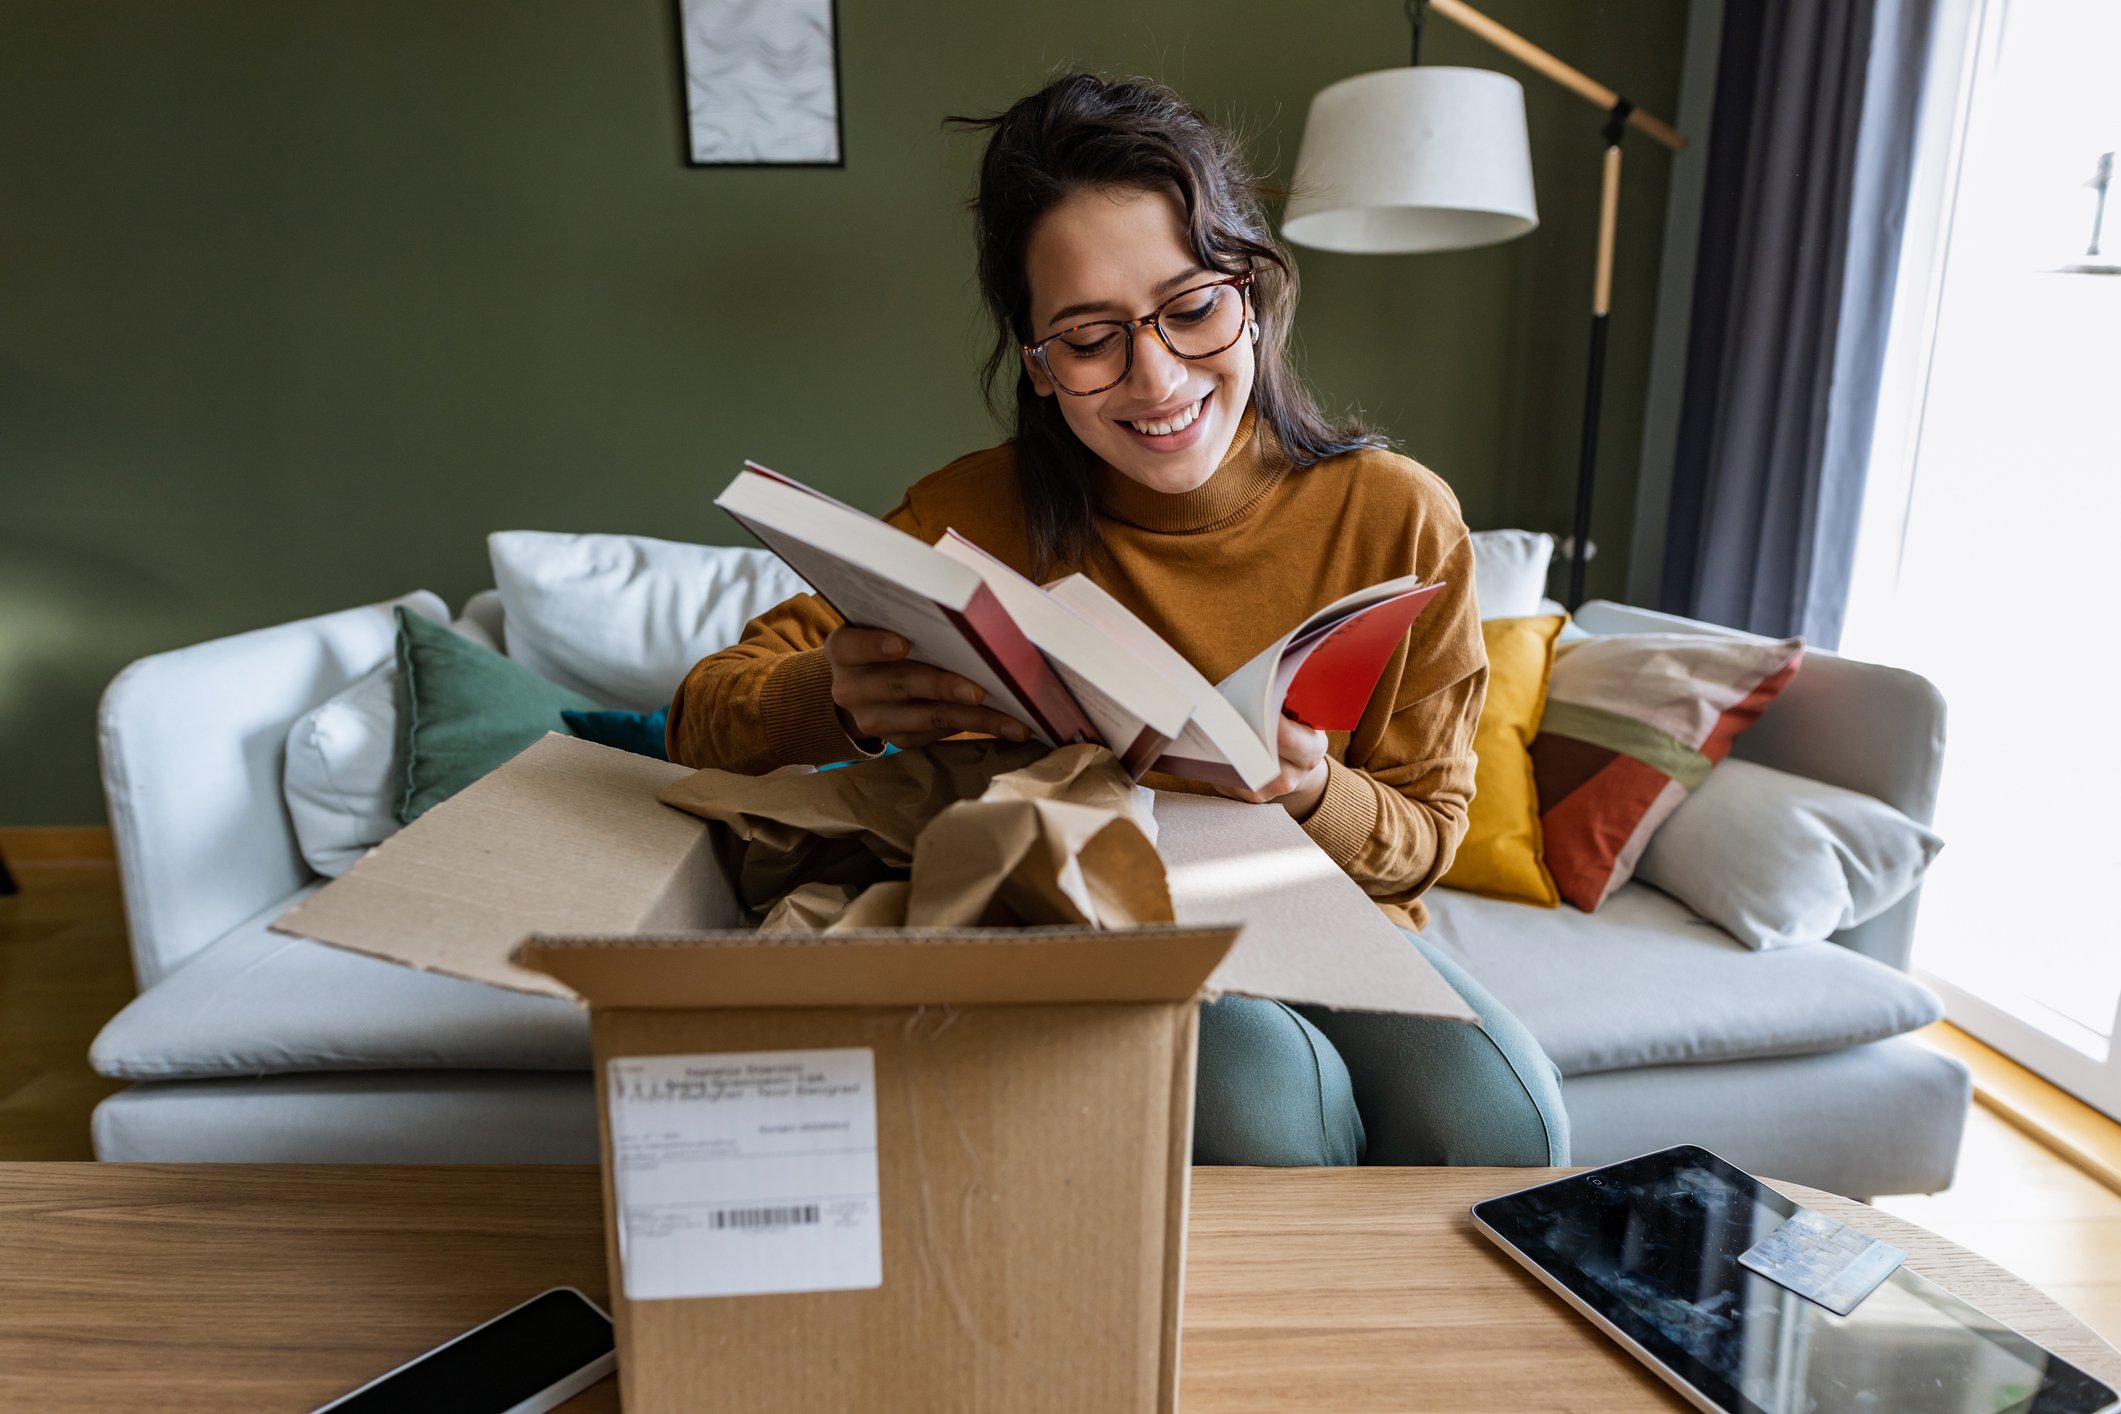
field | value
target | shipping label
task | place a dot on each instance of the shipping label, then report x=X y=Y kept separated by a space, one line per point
x=746 y=1174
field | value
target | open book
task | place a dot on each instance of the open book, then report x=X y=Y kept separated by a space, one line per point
x=1067 y=659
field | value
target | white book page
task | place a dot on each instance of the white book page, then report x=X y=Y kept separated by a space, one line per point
x=875 y=575
x=1251 y=691
x=1348 y=605
x=1216 y=730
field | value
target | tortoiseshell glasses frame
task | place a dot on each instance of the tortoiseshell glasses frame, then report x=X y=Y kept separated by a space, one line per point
x=1154 y=320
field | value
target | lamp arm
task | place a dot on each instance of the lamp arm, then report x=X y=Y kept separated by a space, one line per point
x=1532 y=56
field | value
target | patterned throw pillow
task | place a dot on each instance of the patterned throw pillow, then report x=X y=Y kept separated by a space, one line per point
x=1633 y=722
x=1499 y=856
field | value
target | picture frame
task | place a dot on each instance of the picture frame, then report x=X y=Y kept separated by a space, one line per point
x=759 y=83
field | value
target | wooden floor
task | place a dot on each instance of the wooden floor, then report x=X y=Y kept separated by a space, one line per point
x=2020 y=1206
x=64 y=970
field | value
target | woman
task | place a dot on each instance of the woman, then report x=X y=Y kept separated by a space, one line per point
x=1165 y=448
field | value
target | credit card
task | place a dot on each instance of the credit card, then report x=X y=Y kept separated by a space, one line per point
x=1823 y=1261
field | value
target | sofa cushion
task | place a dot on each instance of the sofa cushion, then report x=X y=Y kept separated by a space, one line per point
x=642 y=733
x=1776 y=859
x=1644 y=982
x=386 y=1117
x=255 y=1002
x=1500 y=854
x=462 y=711
x=1632 y=723
x=622 y=618
x=1510 y=572
x=1882 y=1118
x=341 y=784
x=341 y=792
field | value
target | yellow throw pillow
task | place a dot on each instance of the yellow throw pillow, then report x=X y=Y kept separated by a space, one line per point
x=1501 y=854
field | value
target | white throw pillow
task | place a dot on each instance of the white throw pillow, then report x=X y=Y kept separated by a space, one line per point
x=1776 y=859
x=1510 y=571
x=622 y=618
x=338 y=781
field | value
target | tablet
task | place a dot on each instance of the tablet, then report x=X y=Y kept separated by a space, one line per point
x=1649 y=1250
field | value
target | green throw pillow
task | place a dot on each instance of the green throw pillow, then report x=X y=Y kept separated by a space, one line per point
x=463 y=709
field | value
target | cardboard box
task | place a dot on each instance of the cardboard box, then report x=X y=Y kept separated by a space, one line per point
x=889 y=1170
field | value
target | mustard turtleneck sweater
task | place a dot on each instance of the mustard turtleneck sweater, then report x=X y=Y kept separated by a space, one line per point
x=1219 y=571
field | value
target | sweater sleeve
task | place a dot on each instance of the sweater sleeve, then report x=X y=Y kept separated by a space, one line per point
x=766 y=702
x=1394 y=810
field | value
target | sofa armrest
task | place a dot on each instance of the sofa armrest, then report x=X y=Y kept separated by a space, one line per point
x=1863 y=726
x=192 y=743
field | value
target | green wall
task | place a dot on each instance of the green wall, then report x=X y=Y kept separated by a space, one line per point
x=297 y=301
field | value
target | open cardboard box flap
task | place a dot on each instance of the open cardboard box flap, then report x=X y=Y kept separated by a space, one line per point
x=630 y=907
x=895 y=967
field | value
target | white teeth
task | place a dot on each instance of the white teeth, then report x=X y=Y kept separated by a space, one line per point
x=1170 y=424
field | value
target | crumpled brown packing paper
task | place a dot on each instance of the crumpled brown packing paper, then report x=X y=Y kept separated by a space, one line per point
x=962 y=834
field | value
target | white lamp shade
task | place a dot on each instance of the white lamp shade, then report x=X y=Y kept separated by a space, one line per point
x=1412 y=160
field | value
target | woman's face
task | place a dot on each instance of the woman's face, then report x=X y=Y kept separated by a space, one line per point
x=1118 y=253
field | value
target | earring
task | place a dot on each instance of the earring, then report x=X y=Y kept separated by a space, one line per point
x=1252 y=327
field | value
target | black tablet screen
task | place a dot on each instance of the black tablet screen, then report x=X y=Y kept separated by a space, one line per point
x=1653 y=1244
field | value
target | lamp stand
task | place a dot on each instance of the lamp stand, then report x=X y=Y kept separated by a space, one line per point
x=1594 y=377
x=1620 y=116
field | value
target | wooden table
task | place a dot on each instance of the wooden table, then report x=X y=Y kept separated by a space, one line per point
x=270 y=1287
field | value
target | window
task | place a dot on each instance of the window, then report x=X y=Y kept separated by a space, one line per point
x=1989 y=558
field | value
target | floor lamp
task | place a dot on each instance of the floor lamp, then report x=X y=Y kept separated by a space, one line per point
x=1422 y=159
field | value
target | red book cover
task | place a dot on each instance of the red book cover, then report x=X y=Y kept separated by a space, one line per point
x=1333 y=685
x=1017 y=661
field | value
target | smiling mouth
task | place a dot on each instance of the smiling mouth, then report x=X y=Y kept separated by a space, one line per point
x=1174 y=423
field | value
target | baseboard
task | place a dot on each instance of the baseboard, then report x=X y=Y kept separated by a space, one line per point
x=2053 y=1117
x=56 y=844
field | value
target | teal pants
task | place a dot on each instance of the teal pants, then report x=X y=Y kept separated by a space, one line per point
x=1285 y=1086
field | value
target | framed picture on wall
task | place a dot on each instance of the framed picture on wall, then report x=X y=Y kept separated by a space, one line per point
x=762 y=83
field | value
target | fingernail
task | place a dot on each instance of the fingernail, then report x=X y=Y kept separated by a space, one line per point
x=893 y=646
x=966 y=692
x=1018 y=732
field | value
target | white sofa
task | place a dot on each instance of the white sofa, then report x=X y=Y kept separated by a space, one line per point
x=245 y=1045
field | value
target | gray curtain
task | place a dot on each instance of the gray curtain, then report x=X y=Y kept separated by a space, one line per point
x=1810 y=155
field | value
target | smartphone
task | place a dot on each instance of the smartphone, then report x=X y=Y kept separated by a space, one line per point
x=528 y=1359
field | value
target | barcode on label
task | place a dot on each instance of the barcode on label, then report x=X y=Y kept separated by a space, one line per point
x=800 y=1215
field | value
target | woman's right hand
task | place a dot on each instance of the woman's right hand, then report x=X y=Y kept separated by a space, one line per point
x=881 y=695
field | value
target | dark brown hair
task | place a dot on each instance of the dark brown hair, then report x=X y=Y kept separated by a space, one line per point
x=1081 y=132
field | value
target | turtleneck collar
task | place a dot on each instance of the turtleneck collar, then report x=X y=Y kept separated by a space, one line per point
x=1251 y=468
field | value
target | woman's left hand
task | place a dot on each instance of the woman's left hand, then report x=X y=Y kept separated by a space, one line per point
x=1302 y=782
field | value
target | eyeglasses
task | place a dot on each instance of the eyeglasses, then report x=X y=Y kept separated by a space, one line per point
x=1193 y=324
